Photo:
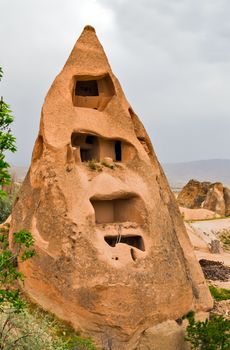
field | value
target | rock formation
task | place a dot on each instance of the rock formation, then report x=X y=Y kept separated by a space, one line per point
x=214 y=197
x=113 y=256
x=227 y=201
x=193 y=194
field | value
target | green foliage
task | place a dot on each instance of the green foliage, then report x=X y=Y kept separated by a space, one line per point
x=213 y=334
x=220 y=293
x=75 y=343
x=7 y=141
x=94 y=165
x=39 y=330
x=109 y=165
x=22 y=325
x=9 y=274
x=5 y=207
x=224 y=236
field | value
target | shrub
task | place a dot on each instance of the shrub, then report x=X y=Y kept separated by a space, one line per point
x=109 y=165
x=212 y=334
x=94 y=165
x=5 y=207
x=225 y=238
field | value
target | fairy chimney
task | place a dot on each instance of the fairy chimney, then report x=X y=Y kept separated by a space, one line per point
x=113 y=256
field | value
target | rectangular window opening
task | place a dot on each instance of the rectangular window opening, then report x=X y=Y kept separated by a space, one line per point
x=118 y=155
x=86 y=88
x=134 y=241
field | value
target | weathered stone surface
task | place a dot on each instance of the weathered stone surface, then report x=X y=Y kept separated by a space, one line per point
x=214 y=197
x=113 y=256
x=227 y=201
x=215 y=246
x=167 y=335
x=193 y=194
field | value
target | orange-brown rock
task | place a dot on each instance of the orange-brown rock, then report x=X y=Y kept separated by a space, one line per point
x=227 y=201
x=193 y=194
x=113 y=255
x=214 y=197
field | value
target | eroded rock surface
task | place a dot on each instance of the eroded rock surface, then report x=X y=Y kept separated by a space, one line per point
x=214 y=197
x=113 y=256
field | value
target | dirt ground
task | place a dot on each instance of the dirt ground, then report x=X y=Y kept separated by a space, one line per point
x=201 y=233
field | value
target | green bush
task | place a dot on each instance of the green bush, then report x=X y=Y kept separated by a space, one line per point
x=5 y=207
x=225 y=238
x=213 y=334
x=94 y=165
x=220 y=293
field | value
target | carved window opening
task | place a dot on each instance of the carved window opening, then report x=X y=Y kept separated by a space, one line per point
x=86 y=88
x=132 y=240
x=93 y=93
x=87 y=146
x=91 y=147
x=118 y=210
x=117 y=149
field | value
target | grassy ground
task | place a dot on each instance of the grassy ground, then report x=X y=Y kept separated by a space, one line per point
x=36 y=329
x=220 y=293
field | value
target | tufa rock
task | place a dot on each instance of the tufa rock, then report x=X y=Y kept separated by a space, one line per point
x=214 y=197
x=166 y=335
x=227 y=201
x=113 y=256
x=193 y=194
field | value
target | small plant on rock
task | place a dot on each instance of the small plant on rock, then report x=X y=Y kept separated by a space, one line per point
x=94 y=165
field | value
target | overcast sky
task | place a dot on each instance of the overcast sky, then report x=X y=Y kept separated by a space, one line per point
x=172 y=58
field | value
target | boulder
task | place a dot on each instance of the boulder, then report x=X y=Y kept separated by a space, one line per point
x=215 y=199
x=167 y=335
x=211 y=196
x=193 y=194
x=227 y=201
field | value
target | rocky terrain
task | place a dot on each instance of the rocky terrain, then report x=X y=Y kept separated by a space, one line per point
x=211 y=196
x=205 y=208
x=211 y=242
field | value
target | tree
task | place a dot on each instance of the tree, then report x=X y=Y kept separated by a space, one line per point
x=7 y=141
x=10 y=299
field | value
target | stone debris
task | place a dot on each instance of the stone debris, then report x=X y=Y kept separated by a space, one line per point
x=215 y=270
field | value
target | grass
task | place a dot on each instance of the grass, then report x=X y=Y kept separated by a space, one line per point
x=40 y=330
x=109 y=165
x=220 y=293
x=224 y=236
x=94 y=165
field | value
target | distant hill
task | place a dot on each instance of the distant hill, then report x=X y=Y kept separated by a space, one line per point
x=213 y=170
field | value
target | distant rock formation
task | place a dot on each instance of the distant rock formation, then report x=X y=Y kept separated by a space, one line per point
x=113 y=255
x=227 y=201
x=207 y=195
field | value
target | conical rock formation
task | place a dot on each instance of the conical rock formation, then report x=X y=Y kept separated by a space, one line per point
x=113 y=256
